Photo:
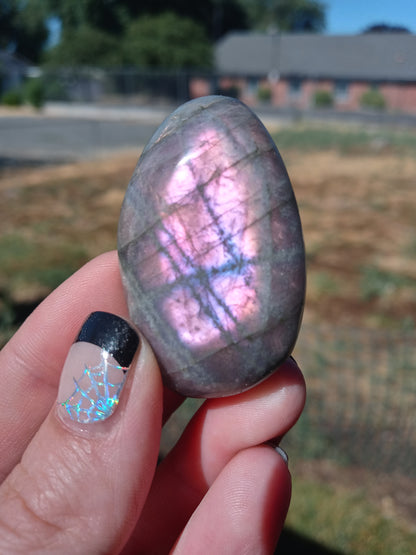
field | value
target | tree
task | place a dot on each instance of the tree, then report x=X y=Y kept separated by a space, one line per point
x=287 y=15
x=385 y=28
x=23 y=27
x=168 y=41
x=110 y=16
x=85 y=46
x=113 y=16
x=216 y=16
x=8 y=14
x=89 y=27
x=165 y=40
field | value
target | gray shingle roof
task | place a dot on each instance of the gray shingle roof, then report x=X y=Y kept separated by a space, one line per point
x=369 y=56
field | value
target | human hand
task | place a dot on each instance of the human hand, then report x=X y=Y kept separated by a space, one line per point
x=70 y=487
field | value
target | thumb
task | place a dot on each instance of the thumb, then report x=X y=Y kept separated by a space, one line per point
x=83 y=479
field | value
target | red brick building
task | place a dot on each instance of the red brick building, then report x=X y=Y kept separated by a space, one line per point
x=288 y=70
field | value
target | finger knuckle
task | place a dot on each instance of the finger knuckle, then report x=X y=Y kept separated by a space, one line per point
x=24 y=525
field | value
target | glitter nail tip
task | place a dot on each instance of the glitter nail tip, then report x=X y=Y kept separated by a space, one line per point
x=211 y=249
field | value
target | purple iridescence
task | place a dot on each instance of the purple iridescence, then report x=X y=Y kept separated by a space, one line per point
x=207 y=249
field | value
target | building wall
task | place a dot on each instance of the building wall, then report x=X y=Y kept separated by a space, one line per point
x=400 y=97
x=353 y=100
x=299 y=94
x=199 y=86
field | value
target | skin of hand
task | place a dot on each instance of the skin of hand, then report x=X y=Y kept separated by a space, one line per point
x=97 y=488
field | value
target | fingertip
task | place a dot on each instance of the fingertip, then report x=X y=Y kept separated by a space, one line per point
x=245 y=507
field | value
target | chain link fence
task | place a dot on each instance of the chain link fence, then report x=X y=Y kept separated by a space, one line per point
x=361 y=404
x=141 y=87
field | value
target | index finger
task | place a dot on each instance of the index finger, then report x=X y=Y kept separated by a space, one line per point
x=31 y=363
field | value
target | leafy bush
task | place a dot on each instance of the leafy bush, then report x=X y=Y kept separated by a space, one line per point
x=12 y=98
x=373 y=99
x=35 y=92
x=264 y=94
x=323 y=99
x=55 y=88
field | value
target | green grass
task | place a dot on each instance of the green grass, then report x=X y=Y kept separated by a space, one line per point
x=376 y=283
x=29 y=270
x=24 y=261
x=345 y=139
x=410 y=248
x=322 y=283
x=345 y=521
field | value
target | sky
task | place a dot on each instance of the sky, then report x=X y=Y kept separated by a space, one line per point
x=345 y=17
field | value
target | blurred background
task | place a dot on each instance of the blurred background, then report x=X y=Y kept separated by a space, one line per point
x=83 y=86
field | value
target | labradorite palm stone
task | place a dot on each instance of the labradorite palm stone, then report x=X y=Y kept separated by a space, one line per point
x=211 y=250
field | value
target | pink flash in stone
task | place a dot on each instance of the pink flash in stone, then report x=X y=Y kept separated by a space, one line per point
x=208 y=251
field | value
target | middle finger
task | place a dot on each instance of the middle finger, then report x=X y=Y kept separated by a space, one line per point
x=220 y=429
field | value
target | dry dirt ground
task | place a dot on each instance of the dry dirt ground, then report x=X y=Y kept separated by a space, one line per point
x=358 y=214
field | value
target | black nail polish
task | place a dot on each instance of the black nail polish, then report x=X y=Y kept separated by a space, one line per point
x=112 y=334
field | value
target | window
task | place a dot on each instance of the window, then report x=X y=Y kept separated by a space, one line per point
x=252 y=85
x=295 y=88
x=341 y=91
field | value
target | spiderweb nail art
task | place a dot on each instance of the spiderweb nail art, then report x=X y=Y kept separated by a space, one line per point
x=97 y=391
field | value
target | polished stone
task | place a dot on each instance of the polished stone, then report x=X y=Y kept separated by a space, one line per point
x=211 y=250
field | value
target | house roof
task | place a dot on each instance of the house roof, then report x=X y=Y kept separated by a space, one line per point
x=390 y=56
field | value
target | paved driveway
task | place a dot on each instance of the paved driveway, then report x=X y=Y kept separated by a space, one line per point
x=37 y=139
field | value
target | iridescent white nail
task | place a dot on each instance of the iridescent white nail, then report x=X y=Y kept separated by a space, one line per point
x=96 y=368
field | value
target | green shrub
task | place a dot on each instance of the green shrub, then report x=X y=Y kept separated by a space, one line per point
x=373 y=99
x=323 y=99
x=35 y=92
x=55 y=88
x=12 y=98
x=264 y=94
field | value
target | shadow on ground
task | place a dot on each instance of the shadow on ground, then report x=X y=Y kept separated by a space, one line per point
x=17 y=163
x=292 y=543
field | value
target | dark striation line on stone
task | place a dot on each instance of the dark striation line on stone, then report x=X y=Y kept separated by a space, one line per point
x=217 y=172
x=198 y=276
x=215 y=218
x=161 y=248
x=173 y=117
x=221 y=234
x=208 y=311
x=204 y=184
x=156 y=319
x=252 y=336
x=225 y=239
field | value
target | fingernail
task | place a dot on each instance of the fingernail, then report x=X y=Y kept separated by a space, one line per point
x=274 y=444
x=96 y=368
x=283 y=454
